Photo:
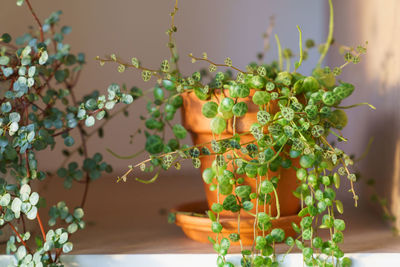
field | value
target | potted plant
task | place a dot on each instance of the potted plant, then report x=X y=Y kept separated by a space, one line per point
x=261 y=139
x=39 y=111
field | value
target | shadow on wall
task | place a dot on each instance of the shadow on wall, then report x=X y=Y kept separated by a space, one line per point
x=383 y=161
x=378 y=81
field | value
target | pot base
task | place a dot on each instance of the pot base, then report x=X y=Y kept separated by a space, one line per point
x=199 y=228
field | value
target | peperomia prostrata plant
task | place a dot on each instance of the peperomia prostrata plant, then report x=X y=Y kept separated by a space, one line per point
x=309 y=112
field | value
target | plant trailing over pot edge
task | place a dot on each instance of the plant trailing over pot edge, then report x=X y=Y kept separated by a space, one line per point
x=293 y=118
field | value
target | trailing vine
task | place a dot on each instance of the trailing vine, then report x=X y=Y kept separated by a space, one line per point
x=39 y=110
x=297 y=114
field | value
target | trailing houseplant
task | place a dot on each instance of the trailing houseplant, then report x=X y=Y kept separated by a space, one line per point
x=39 y=111
x=262 y=120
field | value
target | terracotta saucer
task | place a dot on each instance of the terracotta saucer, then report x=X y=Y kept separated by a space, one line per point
x=199 y=228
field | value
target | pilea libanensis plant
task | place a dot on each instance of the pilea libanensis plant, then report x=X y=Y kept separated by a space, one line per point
x=38 y=105
x=294 y=117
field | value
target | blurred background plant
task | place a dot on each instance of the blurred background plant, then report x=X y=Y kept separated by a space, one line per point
x=39 y=111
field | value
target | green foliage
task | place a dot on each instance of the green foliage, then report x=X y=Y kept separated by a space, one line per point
x=39 y=110
x=295 y=115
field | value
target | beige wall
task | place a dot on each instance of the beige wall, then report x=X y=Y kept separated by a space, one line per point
x=378 y=82
x=137 y=28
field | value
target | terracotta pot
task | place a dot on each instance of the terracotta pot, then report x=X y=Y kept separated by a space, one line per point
x=199 y=127
x=199 y=228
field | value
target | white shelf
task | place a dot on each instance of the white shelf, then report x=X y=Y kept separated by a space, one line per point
x=205 y=260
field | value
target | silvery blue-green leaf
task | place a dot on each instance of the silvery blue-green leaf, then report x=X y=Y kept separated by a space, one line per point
x=34 y=198
x=4 y=60
x=52 y=222
x=20 y=87
x=6 y=107
x=25 y=189
x=25 y=207
x=72 y=228
x=58 y=232
x=26 y=51
x=50 y=234
x=63 y=238
x=67 y=247
x=13 y=128
x=9 y=216
x=24 y=196
x=26 y=236
x=31 y=136
x=7 y=71
x=101 y=98
x=81 y=224
x=69 y=219
x=112 y=90
x=78 y=213
x=14 y=117
x=89 y=121
x=66 y=29
x=43 y=58
x=69 y=141
x=32 y=71
x=100 y=115
x=37 y=257
x=72 y=123
x=2 y=221
x=5 y=200
x=110 y=105
x=28 y=261
x=30 y=82
x=26 y=60
x=22 y=80
x=22 y=71
x=48 y=245
x=111 y=95
x=21 y=252
x=127 y=99
x=16 y=205
x=31 y=215
x=81 y=113
x=20 y=2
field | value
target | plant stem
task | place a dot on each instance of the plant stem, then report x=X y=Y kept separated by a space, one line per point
x=125 y=157
x=37 y=20
x=278 y=43
x=330 y=35
x=84 y=148
x=355 y=197
x=278 y=207
x=172 y=43
x=19 y=236
x=300 y=48
x=41 y=227
x=356 y=105
x=218 y=65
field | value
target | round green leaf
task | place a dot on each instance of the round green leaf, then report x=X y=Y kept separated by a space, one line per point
x=218 y=125
x=210 y=109
x=179 y=131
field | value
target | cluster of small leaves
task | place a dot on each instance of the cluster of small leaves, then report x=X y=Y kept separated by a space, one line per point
x=38 y=107
x=74 y=219
x=295 y=115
